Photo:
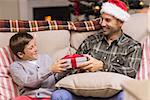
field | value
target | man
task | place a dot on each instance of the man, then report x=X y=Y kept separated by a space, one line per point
x=110 y=50
x=114 y=50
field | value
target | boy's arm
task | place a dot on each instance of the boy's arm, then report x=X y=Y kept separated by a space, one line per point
x=26 y=78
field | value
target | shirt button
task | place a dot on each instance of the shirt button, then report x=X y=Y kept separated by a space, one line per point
x=105 y=58
x=117 y=60
x=37 y=94
x=106 y=69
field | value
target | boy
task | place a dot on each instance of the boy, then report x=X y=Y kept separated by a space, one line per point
x=34 y=74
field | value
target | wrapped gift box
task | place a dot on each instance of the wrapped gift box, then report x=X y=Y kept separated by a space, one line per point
x=74 y=60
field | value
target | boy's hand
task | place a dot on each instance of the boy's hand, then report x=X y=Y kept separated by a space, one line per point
x=92 y=64
x=59 y=66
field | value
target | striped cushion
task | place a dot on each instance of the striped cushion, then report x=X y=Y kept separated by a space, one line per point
x=144 y=71
x=8 y=89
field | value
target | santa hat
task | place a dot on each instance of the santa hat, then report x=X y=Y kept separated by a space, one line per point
x=116 y=8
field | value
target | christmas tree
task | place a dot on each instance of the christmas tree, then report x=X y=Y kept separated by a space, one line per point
x=93 y=7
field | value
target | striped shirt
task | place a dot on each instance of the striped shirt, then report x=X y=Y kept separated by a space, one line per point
x=121 y=56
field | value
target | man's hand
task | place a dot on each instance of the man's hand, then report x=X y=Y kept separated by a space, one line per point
x=92 y=64
x=59 y=66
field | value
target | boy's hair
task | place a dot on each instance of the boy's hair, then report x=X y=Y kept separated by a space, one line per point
x=18 y=42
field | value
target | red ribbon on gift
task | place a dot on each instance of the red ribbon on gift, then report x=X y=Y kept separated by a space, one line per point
x=73 y=59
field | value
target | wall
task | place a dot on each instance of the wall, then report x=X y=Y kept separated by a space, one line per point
x=22 y=9
x=9 y=9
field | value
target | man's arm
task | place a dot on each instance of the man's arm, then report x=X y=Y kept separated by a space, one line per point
x=127 y=65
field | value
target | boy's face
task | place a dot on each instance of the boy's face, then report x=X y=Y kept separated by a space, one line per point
x=30 y=51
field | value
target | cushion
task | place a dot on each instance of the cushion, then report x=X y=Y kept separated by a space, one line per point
x=97 y=84
x=60 y=53
x=4 y=38
x=54 y=43
x=144 y=71
x=8 y=89
x=77 y=38
x=6 y=56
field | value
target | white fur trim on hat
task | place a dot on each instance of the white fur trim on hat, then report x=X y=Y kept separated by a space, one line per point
x=115 y=11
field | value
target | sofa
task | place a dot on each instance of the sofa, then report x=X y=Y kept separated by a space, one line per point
x=59 y=38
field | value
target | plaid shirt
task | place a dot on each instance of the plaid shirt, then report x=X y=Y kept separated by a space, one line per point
x=122 y=56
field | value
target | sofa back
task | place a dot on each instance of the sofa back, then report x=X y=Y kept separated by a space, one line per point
x=137 y=26
x=55 y=43
x=58 y=43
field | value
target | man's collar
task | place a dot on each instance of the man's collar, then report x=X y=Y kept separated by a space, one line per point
x=119 y=41
x=122 y=39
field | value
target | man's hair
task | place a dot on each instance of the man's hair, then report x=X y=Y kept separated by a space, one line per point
x=18 y=42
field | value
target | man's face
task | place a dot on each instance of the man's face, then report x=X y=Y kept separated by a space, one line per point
x=110 y=24
x=30 y=51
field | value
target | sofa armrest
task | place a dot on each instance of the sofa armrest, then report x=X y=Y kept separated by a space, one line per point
x=136 y=90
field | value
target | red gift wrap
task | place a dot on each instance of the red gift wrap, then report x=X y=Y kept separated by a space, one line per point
x=75 y=59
